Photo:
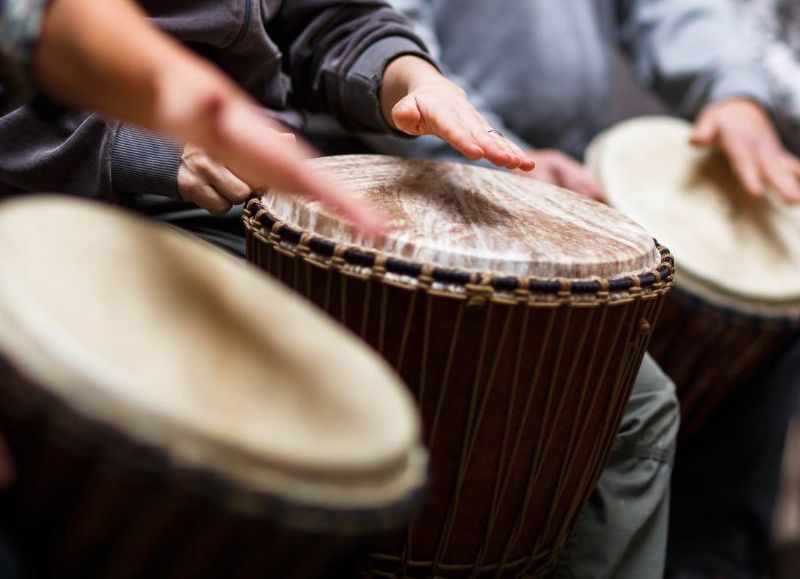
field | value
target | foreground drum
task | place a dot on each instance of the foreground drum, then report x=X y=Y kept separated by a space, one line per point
x=517 y=312
x=174 y=414
x=738 y=300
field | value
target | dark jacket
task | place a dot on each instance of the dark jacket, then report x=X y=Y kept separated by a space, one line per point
x=317 y=55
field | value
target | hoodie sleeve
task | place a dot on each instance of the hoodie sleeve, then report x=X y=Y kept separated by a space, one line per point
x=690 y=51
x=85 y=155
x=336 y=54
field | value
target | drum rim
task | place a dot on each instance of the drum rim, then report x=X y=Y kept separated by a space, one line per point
x=135 y=456
x=259 y=220
x=327 y=500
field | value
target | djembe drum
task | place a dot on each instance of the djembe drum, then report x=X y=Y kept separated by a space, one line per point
x=517 y=312
x=738 y=300
x=174 y=414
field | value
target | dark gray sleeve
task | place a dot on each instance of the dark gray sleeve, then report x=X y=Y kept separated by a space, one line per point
x=337 y=52
x=690 y=51
x=84 y=154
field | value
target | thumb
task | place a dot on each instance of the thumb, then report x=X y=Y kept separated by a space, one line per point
x=705 y=132
x=407 y=116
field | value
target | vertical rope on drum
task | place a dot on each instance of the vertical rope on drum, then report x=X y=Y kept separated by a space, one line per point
x=406 y=331
x=597 y=452
x=577 y=501
x=423 y=377
x=326 y=301
x=547 y=426
x=269 y=252
x=505 y=470
x=574 y=441
x=490 y=383
x=296 y=273
x=365 y=309
x=447 y=530
x=423 y=372
x=343 y=299
x=534 y=383
x=446 y=378
x=308 y=268
x=382 y=320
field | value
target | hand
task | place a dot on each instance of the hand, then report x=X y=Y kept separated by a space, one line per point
x=208 y=184
x=741 y=130
x=146 y=78
x=418 y=100
x=562 y=170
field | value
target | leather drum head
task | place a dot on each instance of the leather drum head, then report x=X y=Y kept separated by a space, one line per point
x=475 y=219
x=180 y=346
x=732 y=248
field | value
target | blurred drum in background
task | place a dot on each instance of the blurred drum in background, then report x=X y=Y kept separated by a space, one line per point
x=518 y=313
x=737 y=302
x=173 y=413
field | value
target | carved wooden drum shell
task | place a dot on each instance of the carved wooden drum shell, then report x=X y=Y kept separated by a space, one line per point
x=521 y=379
x=162 y=428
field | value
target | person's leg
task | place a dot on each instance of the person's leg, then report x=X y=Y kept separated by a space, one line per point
x=726 y=479
x=622 y=531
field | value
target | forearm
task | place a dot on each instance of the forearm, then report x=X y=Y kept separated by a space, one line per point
x=107 y=57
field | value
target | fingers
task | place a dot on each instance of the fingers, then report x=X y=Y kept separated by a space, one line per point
x=228 y=185
x=581 y=182
x=443 y=110
x=705 y=132
x=745 y=165
x=195 y=189
x=781 y=173
x=261 y=158
x=561 y=170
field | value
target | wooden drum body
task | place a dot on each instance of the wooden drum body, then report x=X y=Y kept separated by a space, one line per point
x=165 y=422
x=484 y=298
x=737 y=303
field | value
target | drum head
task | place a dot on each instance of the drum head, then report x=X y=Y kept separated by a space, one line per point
x=476 y=219
x=733 y=248
x=180 y=346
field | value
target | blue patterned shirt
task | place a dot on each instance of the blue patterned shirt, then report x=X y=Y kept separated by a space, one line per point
x=20 y=22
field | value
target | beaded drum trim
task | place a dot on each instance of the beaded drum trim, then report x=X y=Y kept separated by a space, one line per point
x=367 y=264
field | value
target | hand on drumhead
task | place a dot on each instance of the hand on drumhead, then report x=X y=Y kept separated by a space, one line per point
x=249 y=148
x=418 y=100
x=556 y=168
x=741 y=129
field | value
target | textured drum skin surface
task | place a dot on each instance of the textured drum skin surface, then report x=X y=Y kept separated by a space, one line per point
x=477 y=219
x=521 y=392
